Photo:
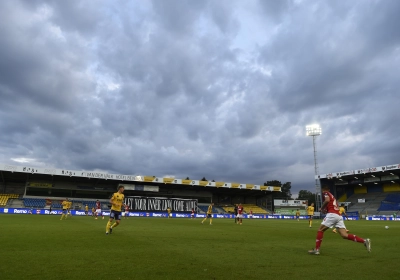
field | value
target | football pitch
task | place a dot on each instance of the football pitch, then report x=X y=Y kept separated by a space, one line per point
x=43 y=247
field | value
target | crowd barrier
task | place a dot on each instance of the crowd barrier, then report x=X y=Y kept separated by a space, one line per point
x=150 y=214
x=381 y=218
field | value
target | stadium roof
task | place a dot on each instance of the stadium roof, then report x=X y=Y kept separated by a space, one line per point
x=130 y=178
x=389 y=173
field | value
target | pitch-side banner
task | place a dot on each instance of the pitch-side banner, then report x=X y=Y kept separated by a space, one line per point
x=142 y=203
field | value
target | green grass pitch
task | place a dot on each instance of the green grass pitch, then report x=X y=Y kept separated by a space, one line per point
x=43 y=247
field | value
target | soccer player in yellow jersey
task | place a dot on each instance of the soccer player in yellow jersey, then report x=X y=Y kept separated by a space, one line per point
x=342 y=213
x=64 y=204
x=117 y=200
x=209 y=214
x=298 y=215
x=310 y=213
x=86 y=209
x=169 y=212
x=69 y=209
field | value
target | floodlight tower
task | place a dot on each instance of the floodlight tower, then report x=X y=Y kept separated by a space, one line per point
x=314 y=130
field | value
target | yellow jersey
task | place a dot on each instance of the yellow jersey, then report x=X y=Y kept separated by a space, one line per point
x=69 y=204
x=341 y=210
x=65 y=204
x=169 y=210
x=209 y=211
x=86 y=208
x=297 y=213
x=310 y=210
x=118 y=200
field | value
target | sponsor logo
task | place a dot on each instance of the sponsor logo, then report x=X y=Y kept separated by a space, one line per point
x=390 y=167
x=181 y=215
x=37 y=211
x=157 y=215
x=80 y=213
x=20 y=211
x=345 y=173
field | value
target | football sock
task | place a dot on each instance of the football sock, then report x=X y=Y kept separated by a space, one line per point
x=354 y=238
x=108 y=226
x=310 y=223
x=211 y=221
x=320 y=235
x=114 y=225
x=203 y=220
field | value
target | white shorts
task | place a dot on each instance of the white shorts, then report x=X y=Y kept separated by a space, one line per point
x=98 y=211
x=333 y=220
x=239 y=216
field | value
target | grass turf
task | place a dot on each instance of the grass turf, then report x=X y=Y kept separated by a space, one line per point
x=43 y=247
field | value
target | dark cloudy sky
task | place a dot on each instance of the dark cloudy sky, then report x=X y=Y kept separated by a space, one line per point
x=216 y=89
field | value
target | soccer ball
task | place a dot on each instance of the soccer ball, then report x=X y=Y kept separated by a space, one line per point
x=386 y=227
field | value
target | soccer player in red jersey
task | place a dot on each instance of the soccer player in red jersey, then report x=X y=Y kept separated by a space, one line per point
x=192 y=215
x=240 y=213
x=98 y=209
x=126 y=211
x=333 y=218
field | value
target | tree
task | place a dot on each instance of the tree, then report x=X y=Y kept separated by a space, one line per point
x=307 y=195
x=275 y=183
x=285 y=191
x=187 y=178
x=204 y=179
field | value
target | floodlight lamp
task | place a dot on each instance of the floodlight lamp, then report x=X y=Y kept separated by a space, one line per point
x=313 y=130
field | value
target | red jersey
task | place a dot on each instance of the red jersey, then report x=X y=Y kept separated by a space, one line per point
x=332 y=205
x=98 y=205
x=126 y=208
x=240 y=209
x=192 y=212
x=251 y=212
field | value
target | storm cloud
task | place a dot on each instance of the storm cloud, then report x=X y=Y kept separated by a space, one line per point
x=215 y=89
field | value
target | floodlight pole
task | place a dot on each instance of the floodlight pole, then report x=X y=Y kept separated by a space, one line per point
x=314 y=131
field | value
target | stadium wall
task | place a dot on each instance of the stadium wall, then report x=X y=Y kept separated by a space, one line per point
x=391 y=188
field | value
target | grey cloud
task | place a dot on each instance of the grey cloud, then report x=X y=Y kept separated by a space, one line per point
x=162 y=88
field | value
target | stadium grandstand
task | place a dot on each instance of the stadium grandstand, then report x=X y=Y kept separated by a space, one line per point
x=41 y=188
x=369 y=191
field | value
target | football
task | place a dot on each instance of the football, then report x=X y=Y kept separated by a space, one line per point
x=386 y=227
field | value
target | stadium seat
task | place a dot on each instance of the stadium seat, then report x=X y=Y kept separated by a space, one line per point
x=5 y=197
x=390 y=203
